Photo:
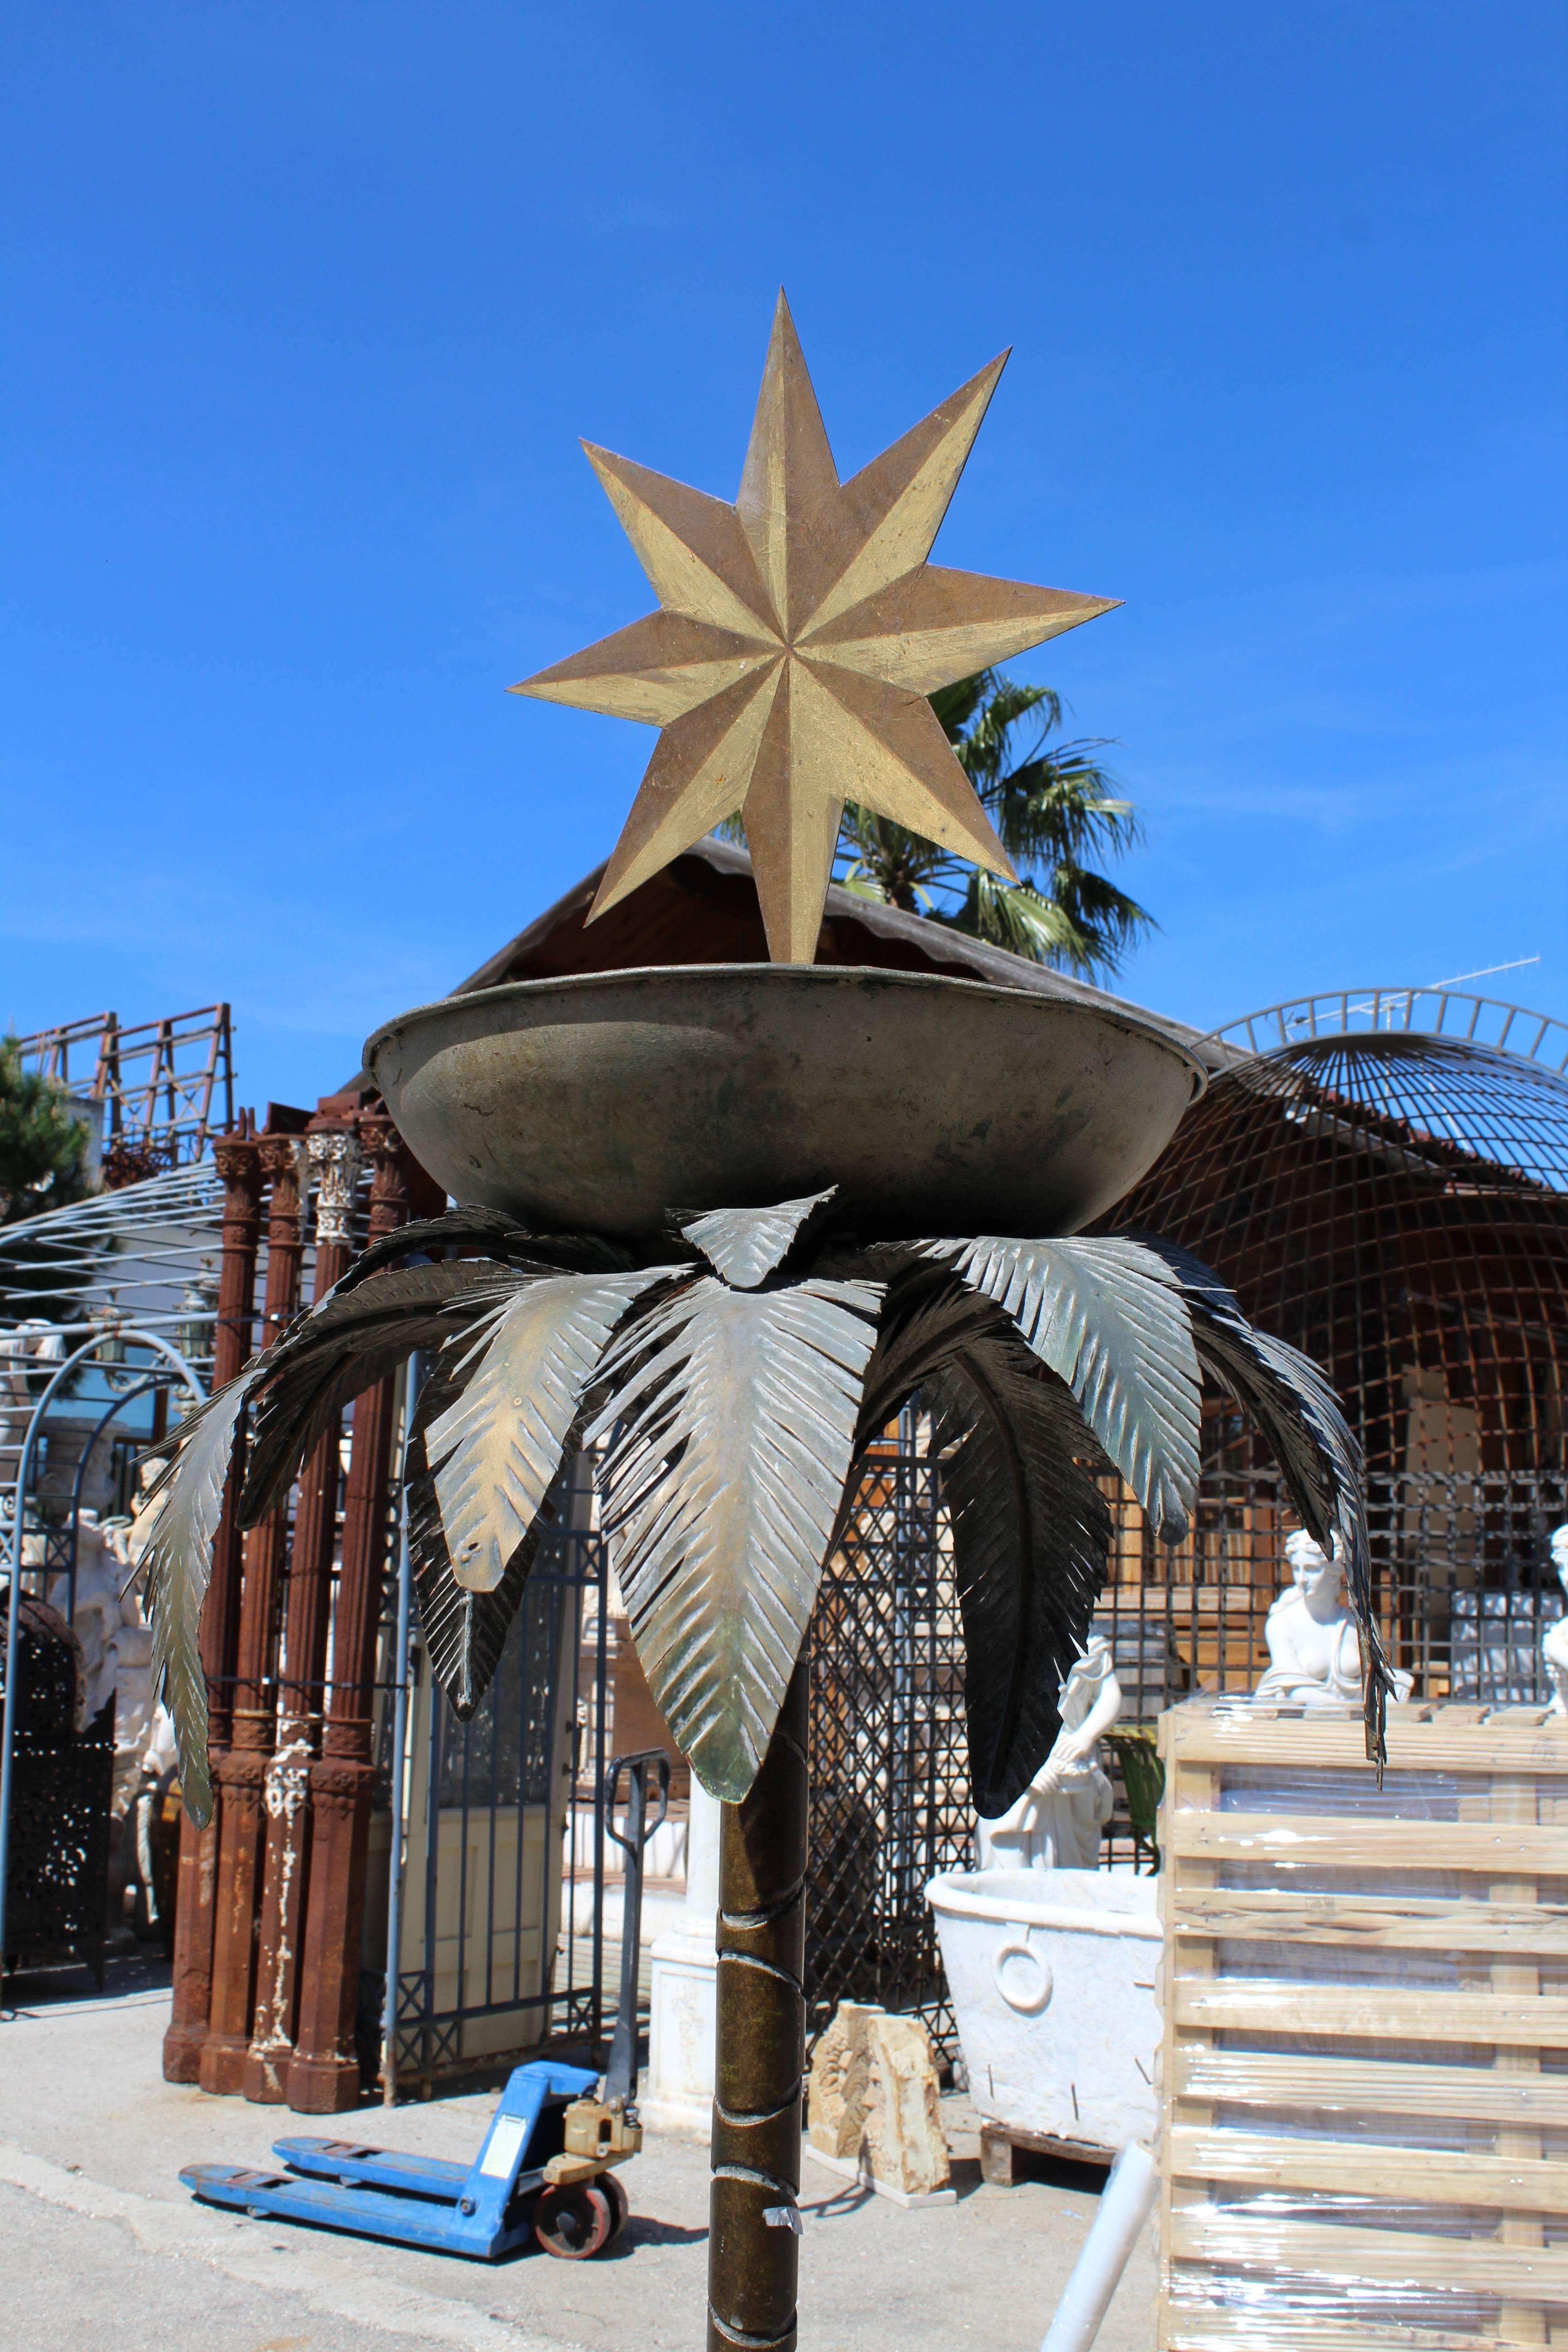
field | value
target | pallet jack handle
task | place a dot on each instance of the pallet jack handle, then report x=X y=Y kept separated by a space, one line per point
x=621 y=2074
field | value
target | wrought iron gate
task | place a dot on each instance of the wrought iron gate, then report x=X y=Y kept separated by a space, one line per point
x=501 y=1945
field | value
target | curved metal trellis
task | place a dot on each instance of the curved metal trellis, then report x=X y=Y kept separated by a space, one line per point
x=1383 y=1178
x=127 y=1335
x=1423 y=1012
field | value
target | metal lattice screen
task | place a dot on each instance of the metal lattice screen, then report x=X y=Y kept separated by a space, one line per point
x=1395 y=1202
x=889 y=1770
x=1397 y=1206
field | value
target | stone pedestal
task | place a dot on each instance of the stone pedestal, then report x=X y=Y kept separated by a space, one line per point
x=679 y=2095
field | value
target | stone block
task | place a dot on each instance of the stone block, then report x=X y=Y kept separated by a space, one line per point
x=873 y=2100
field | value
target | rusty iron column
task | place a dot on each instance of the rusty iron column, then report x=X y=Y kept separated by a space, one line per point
x=240 y=1773
x=239 y=1165
x=335 y=1157
x=752 y=2247
x=324 y=2071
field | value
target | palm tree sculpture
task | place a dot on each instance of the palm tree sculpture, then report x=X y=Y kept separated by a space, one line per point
x=739 y=1361
x=739 y=1372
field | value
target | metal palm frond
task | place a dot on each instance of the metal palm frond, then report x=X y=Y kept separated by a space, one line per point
x=1300 y=1419
x=519 y=1376
x=353 y=1339
x=745 y=1245
x=736 y=1403
x=1031 y=1531
x=464 y=1632
x=177 y=1560
x=497 y=1235
x=736 y=1414
x=1108 y=1318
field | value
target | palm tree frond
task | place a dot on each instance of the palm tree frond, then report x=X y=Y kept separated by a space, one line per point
x=464 y=1632
x=177 y=1562
x=490 y=1230
x=861 y=883
x=926 y=1318
x=1054 y=809
x=743 y=1247
x=1016 y=916
x=1031 y=1535
x=346 y=1344
x=496 y=1449
x=1301 y=1420
x=956 y=705
x=1109 y=1318
x=722 y=1486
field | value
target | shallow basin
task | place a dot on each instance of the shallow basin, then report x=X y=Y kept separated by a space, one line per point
x=1052 y=1978
x=937 y=1106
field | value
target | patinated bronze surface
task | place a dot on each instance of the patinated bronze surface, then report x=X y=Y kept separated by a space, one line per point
x=761 y=2049
x=934 y=1105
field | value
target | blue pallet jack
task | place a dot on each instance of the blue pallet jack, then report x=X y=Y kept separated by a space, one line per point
x=545 y=2174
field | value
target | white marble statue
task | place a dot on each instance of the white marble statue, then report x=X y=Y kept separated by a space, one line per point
x=116 y=1641
x=31 y=1344
x=1057 y=1823
x=1554 y=1640
x=1314 y=1648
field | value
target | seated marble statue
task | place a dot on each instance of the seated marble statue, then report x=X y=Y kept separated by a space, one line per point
x=1314 y=1650
x=1554 y=1640
x=1057 y=1823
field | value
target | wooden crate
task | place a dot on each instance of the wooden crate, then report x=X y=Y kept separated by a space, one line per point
x=1364 y=2068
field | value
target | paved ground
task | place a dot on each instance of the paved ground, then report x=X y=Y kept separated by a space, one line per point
x=100 y=2245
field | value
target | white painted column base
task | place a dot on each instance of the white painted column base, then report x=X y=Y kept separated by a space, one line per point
x=682 y=2010
x=683 y=2002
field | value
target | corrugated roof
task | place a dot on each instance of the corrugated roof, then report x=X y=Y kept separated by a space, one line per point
x=702 y=908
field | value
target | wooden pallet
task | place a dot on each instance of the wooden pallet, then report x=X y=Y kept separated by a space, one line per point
x=1364 y=2075
x=1000 y=2143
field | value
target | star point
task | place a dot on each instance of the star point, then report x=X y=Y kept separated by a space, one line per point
x=798 y=635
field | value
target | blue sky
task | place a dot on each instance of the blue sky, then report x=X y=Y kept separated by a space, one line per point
x=305 y=306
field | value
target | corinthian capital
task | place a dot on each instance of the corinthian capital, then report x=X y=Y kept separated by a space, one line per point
x=335 y=1160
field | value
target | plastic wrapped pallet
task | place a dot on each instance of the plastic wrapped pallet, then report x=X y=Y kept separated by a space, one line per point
x=1363 y=2075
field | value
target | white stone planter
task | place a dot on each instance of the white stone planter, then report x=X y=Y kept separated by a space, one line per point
x=1052 y=1974
x=678 y=2093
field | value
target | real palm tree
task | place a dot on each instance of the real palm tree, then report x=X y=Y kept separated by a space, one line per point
x=1055 y=809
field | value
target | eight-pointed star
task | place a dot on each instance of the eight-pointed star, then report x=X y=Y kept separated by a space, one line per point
x=798 y=635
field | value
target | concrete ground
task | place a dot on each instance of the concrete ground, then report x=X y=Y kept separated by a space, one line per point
x=100 y=2246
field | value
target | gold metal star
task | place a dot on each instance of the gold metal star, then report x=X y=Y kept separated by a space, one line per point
x=798 y=635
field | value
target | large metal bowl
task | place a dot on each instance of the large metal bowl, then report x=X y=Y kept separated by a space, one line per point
x=937 y=1106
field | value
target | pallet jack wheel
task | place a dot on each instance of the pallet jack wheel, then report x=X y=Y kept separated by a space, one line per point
x=620 y=2203
x=575 y=2222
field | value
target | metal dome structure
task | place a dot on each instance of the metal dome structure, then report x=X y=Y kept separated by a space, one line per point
x=1381 y=1176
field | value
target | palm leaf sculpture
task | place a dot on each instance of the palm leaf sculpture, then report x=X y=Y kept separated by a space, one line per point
x=738 y=1373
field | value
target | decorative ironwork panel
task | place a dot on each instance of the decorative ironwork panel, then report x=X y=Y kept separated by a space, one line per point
x=1461 y=1578
x=510 y=1800
x=890 y=1776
